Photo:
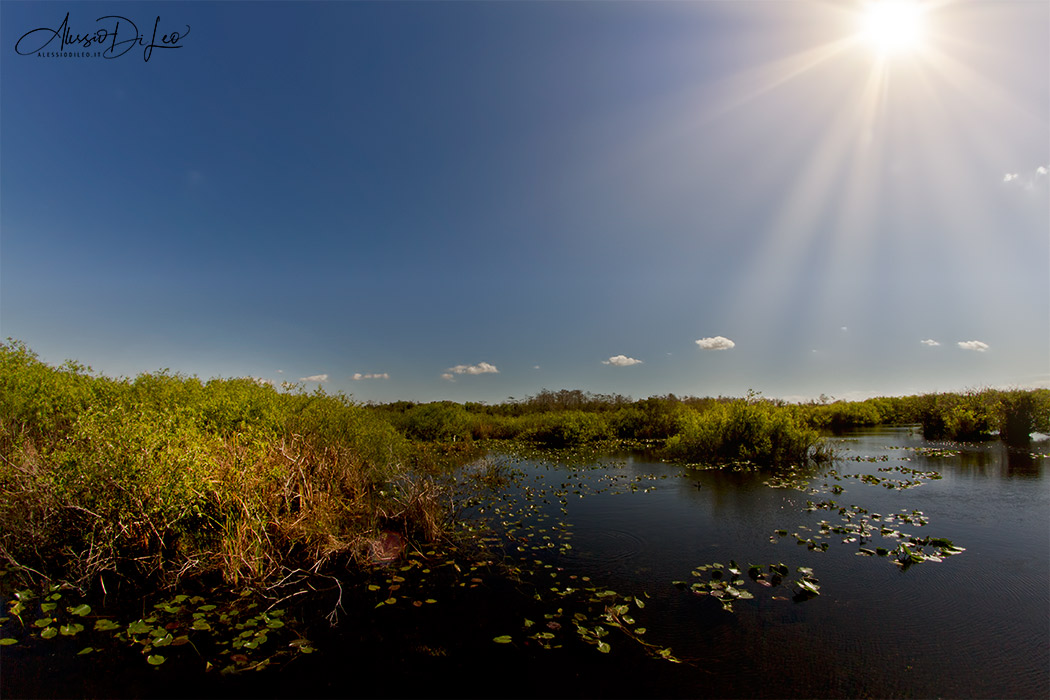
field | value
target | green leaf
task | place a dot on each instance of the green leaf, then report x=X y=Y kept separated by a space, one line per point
x=43 y=622
x=85 y=650
x=71 y=630
x=49 y=632
x=275 y=624
x=808 y=586
x=7 y=641
x=81 y=610
x=104 y=625
x=155 y=659
x=48 y=607
x=503 y=639
x=604 y=647
x=139 y=627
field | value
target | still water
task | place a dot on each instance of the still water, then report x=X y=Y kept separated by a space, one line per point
x=556 y=536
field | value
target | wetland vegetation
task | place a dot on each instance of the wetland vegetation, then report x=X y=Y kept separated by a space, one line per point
x=228 y=525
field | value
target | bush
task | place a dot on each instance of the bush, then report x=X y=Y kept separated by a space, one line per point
x=746 y=430
x=969 y=417
x=567 y=428
x=439 y=421
x=1022 y=413
x=164 y=476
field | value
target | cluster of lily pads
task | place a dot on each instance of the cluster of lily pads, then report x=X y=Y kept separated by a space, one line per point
x=919 y=477
x=528 y=542
x=236 y=635
x=936 y=451
x=602 y=611
x=858 y=525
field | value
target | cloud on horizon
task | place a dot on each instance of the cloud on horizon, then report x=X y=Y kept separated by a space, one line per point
x=930 y=341
x=621 y=361
x=480 y=368
x=716 y=343
x=975 y=345
x=357 y=376
x=315 y=378
x=1028 y=180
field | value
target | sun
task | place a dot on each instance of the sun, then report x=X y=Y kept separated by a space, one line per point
x=893 y=26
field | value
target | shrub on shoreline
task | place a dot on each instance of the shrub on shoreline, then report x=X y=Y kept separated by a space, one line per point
x=746 y=430
x=164 y=476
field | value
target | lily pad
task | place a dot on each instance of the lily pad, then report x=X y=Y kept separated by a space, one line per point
x=139 y=627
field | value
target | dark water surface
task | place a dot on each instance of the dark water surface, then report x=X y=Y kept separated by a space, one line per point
x=976 y=624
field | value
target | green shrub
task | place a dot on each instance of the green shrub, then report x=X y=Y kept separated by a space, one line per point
x=164 y=476
x=746 y=430
x=567 y=428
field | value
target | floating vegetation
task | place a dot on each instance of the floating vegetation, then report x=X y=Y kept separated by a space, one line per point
x=521 y=531
x=234 y=634
x=935 y=451
x=857 y=525
x=728 y=585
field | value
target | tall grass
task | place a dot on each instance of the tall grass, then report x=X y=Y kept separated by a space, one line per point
x=164 y=476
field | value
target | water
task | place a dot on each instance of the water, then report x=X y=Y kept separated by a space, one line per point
x=976 y=624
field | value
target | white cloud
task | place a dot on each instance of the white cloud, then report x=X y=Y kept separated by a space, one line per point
x=845 y=329
x=480 y=368
x=448 y=376
x=716 y=343
x=535 y=366
x=357 y=376
x=930 y=341
x=315 y=378
x=1026 y=180
x=621 y=361
x=975 y=345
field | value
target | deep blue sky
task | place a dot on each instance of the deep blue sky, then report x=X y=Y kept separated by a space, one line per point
x=403 y=191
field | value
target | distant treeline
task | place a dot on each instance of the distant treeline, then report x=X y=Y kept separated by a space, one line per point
x=569 y=417
x=165 y=476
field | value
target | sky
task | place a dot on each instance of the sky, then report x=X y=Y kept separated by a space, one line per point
x=475 y=201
